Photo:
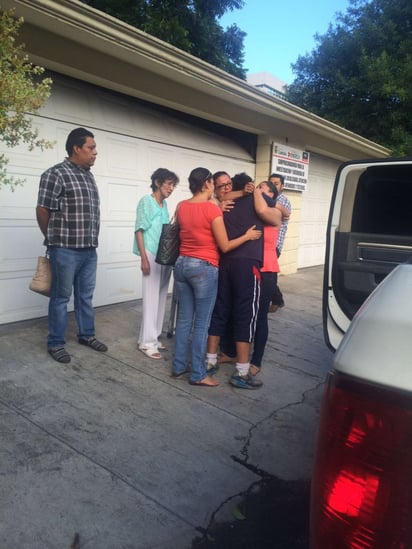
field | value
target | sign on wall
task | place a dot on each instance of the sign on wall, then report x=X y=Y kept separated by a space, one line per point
x=293 y=164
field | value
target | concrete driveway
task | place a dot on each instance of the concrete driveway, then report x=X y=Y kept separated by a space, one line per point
x=114 y=449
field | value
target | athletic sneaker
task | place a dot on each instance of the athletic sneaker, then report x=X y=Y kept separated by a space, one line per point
x=211 y=369
x=245 y=382
x=255 y=381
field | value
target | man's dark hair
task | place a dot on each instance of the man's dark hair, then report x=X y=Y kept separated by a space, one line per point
x=161 y=175
x=280 y=176
x=240 y=180
x=77 y=138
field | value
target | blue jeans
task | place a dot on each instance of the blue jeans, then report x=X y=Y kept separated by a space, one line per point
x=71 y=269
x=196 y=286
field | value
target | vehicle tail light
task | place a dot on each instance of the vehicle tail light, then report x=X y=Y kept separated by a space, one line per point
x=361 y=494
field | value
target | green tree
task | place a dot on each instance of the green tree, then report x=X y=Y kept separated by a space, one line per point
x=21 y=91
x=360 y=73
x=190 y=25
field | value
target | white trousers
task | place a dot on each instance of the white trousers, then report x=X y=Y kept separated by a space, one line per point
x=154 y=295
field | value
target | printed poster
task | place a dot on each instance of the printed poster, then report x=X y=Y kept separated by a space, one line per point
x=293 y=164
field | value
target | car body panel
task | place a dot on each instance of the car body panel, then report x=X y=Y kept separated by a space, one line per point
x=369 y=233
x=377 y=347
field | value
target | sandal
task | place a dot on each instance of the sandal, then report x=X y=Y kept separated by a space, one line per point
x=161 y=346
x=94 y=344
x=60 y=354
x=254 y=381
x=151 y=353
x=223 y=358
x=253 y=370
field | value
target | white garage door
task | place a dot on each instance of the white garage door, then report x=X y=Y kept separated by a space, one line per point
x=315 y=210
x=132 y=141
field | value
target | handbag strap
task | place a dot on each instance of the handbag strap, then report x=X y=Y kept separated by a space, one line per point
x=173 y=219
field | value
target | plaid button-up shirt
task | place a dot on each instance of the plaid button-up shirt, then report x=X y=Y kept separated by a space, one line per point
x=282 y=199
x=70 y=193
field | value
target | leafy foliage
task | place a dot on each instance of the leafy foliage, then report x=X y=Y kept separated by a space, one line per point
x=21 y=91
x=190 y=25
x=360 y=74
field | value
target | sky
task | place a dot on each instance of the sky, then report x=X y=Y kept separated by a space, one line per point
x=278 y=31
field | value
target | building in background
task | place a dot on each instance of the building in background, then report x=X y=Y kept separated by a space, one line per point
x=268 y=83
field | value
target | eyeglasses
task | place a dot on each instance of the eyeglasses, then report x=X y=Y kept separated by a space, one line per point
x=223 y=186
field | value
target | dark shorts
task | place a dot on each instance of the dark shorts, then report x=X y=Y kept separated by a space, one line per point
x=237 y=299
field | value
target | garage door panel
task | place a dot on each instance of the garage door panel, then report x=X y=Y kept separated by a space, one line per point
x=122 y=115
x=20 y=246
x=71 y=104
x=17 y=301
x=190 y=160
x=118 y=116
x=122 y=157
x=117 y=283
x=127 y=156
x=121 y=200
x=116 y=243
x=161 y=156
x=20 y=204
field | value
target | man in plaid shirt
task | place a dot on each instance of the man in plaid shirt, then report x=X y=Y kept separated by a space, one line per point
x=68 y=214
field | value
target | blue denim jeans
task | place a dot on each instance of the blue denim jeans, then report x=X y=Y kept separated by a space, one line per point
x=196 y=286
x=71 y=269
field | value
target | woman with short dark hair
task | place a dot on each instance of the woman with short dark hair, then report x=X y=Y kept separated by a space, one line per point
x=151 y=214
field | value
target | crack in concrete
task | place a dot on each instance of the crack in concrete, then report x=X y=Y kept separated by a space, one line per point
x=243 y=461
x=245 y=449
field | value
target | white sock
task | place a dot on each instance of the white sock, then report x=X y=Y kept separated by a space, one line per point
x=211 y=358
x=242 y=368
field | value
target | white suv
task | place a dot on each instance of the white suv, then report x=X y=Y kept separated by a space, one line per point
x=362 y=479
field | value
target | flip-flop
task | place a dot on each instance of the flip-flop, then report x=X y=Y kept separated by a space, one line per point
x=161 y=347
x=151 y=353
x=253 y=370
x=223 y=358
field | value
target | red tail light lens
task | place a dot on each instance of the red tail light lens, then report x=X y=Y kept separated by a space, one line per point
x=362 y=480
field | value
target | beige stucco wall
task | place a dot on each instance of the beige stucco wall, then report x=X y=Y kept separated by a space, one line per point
x=288 y=259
